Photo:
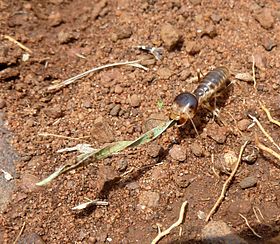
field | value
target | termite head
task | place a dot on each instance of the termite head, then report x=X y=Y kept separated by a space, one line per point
x=184 y=108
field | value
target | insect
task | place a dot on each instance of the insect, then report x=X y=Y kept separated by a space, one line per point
x=186 y=104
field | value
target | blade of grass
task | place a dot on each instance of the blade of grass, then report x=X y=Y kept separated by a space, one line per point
x=110 y=150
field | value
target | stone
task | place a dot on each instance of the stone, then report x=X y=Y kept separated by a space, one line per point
x=216 y=18
x=219 y=232
x=195 y=2
x=265 y=18
x=178 y=153
x=218 y=134
x=149 y=199
x=248 y=182
x=135 y=100
x=121 y=165
x=170 y=36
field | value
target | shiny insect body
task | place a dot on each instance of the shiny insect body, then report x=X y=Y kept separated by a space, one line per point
x=186 y=104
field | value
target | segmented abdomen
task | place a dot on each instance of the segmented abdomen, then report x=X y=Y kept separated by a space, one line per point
x=213 y=82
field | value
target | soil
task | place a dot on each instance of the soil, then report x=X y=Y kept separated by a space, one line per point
x=69 y=37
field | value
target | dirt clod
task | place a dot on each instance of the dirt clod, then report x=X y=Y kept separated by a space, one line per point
x=269 y=44
x=149 y=199
x=30 y=238
x=54 y=112
x=115 y=110
x=265 y=18
x=154 y=150
x=135 y=100
x=102 y=131
x=55 y=19
x=220 y=232
x=2 y=103
x=178 y=153
x=164 y=73
x=170 y=36
x=196 y=149
x=243 y=124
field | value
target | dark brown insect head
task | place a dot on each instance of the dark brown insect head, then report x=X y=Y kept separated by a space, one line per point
x=184 y=108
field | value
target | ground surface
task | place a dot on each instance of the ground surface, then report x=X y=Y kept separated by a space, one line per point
x=116 y=104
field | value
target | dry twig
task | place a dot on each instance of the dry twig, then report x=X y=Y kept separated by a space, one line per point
x=177 y=223
x=226 y=184
x=20 y=233
x=274 y=121
x=260 y=213
x=247 y=223
x=79 y=76
x=17 y=43
x=254 y=73
x=255 y=120
x=265 y=148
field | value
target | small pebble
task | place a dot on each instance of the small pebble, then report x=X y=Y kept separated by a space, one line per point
x=243 y=124
x=178 y=153
x=170 y=36
x=2 y=103
x=265 y=18
x=115 y=110
x=98 y=8
x=135 y=100
x=218 y=134
x=196 y=149
x=195 y=2
x=248 y=182
x=121 y=34
x=269 y=44
x=65 y=37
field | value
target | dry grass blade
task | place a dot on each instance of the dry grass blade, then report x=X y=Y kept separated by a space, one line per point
x=255 y=120
x=226 y=184
x=266 y=149
x=89 y=204
x=177 y=223
x=17 y=43
x=274 y=121
x=254 y=73
x=79 y=76
x=45 y=134
x=20 y=233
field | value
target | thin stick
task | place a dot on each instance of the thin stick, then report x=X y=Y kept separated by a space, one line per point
x=226 y=184
x=255 y=120
x=266 y=149
x=17 y=43
x=254 y=73
x=45 y=134
x=247 y=223
x=177 y=223
x=79 y=76
x=274 y=121
x=260 y=213
x=19 y=234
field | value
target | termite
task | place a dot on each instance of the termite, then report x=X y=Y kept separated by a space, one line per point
x=186 y=104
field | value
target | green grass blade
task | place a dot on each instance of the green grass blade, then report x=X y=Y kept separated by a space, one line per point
x=110 y=150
